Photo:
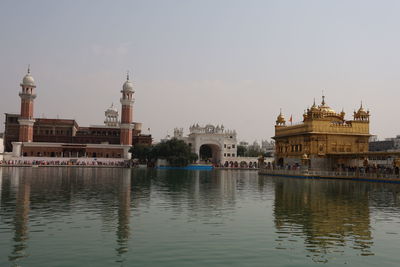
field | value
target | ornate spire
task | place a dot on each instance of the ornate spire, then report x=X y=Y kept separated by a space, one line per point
x=280 y=120
x=313 y=105
x=29 y=68
x=127 y=75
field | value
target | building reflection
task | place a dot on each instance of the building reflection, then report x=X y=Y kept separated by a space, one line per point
x=124 y=212
x=328 y=215
x=55 y=191
x=22 y=186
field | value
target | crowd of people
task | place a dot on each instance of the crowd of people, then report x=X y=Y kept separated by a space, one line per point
x=375 y=169
x=370 y=169
x=22 y=162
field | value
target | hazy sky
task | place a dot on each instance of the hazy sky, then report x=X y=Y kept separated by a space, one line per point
x=230 y=62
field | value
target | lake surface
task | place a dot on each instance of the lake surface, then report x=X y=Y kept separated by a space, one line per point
x=121 y=217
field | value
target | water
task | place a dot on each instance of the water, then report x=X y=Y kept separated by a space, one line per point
x=121 y=217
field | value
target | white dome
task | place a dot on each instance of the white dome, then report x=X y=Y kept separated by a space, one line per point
x=112 y=108
x=28 y=80
x=128 y=86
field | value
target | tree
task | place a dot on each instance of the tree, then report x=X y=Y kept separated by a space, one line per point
x=241 y=151
x=175 y=151
x=141 y=152
x=253 y=151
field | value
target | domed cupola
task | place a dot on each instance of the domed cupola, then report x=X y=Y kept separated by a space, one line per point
x=28 y=80
x=111 y=116
x=324 y=108
x=280 y=120
x=128 y=85
x=314 y=107
x=361 y=114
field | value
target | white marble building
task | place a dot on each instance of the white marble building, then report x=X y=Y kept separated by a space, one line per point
x=221 y=142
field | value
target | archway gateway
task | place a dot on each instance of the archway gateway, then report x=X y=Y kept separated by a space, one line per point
x=210 y=153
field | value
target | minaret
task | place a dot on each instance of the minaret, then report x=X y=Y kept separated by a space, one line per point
x=126 y=112
x=26 y=120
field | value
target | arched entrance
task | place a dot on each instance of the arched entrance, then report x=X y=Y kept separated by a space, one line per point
x=210 y=153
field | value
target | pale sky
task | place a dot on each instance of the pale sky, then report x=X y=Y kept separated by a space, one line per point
x=222 y=62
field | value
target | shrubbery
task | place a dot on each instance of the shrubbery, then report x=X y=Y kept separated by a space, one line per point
x=175 y=151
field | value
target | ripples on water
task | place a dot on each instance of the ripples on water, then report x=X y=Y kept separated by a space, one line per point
x=106 y=217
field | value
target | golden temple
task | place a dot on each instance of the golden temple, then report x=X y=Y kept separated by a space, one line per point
x=322 y=134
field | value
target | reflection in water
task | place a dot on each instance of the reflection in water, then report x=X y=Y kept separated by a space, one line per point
x=328 y=214
x=53 y=191
x=102 y=217
x=23 y=191
x=124 y=208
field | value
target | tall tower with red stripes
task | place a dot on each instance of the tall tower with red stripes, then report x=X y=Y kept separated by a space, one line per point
x=127 y=101
x=27 y=96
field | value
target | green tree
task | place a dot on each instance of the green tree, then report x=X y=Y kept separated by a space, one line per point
x=175 y=151
x=241 y=151
x=253 y=151
x=141 y=152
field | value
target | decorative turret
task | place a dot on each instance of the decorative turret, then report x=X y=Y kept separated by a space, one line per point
x=111 y=114
x=27 y=96
x=178 y=133
x=361 y=114
x=280 y=120
x=127 y=101
x=342 y=114
x=321 y=112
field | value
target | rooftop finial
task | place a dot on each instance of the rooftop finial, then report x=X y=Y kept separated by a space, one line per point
x=127 y=75
x=29 y=68
x=323 y=97
x=361 y=105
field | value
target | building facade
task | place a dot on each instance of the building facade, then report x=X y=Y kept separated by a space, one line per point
x=210 y=143
x=389 y=144
x=27 y=136
x=321 y=137
x=215 y=144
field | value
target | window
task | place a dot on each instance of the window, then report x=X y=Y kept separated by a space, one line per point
x=229 y=154
x=224 y=145
x=224 y=154
x=233 y=146
x=233 y=154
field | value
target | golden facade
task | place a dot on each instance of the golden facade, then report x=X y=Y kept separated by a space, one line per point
x=322 y=133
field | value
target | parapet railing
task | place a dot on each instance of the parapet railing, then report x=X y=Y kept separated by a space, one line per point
x=333 y=174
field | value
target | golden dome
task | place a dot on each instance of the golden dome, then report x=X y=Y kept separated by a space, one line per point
x=280 y=120
x=324 y=108
x=361 y=114
x=314 y=107
x=361 y=110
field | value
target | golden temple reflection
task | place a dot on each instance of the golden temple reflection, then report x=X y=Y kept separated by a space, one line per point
x=329 y=216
